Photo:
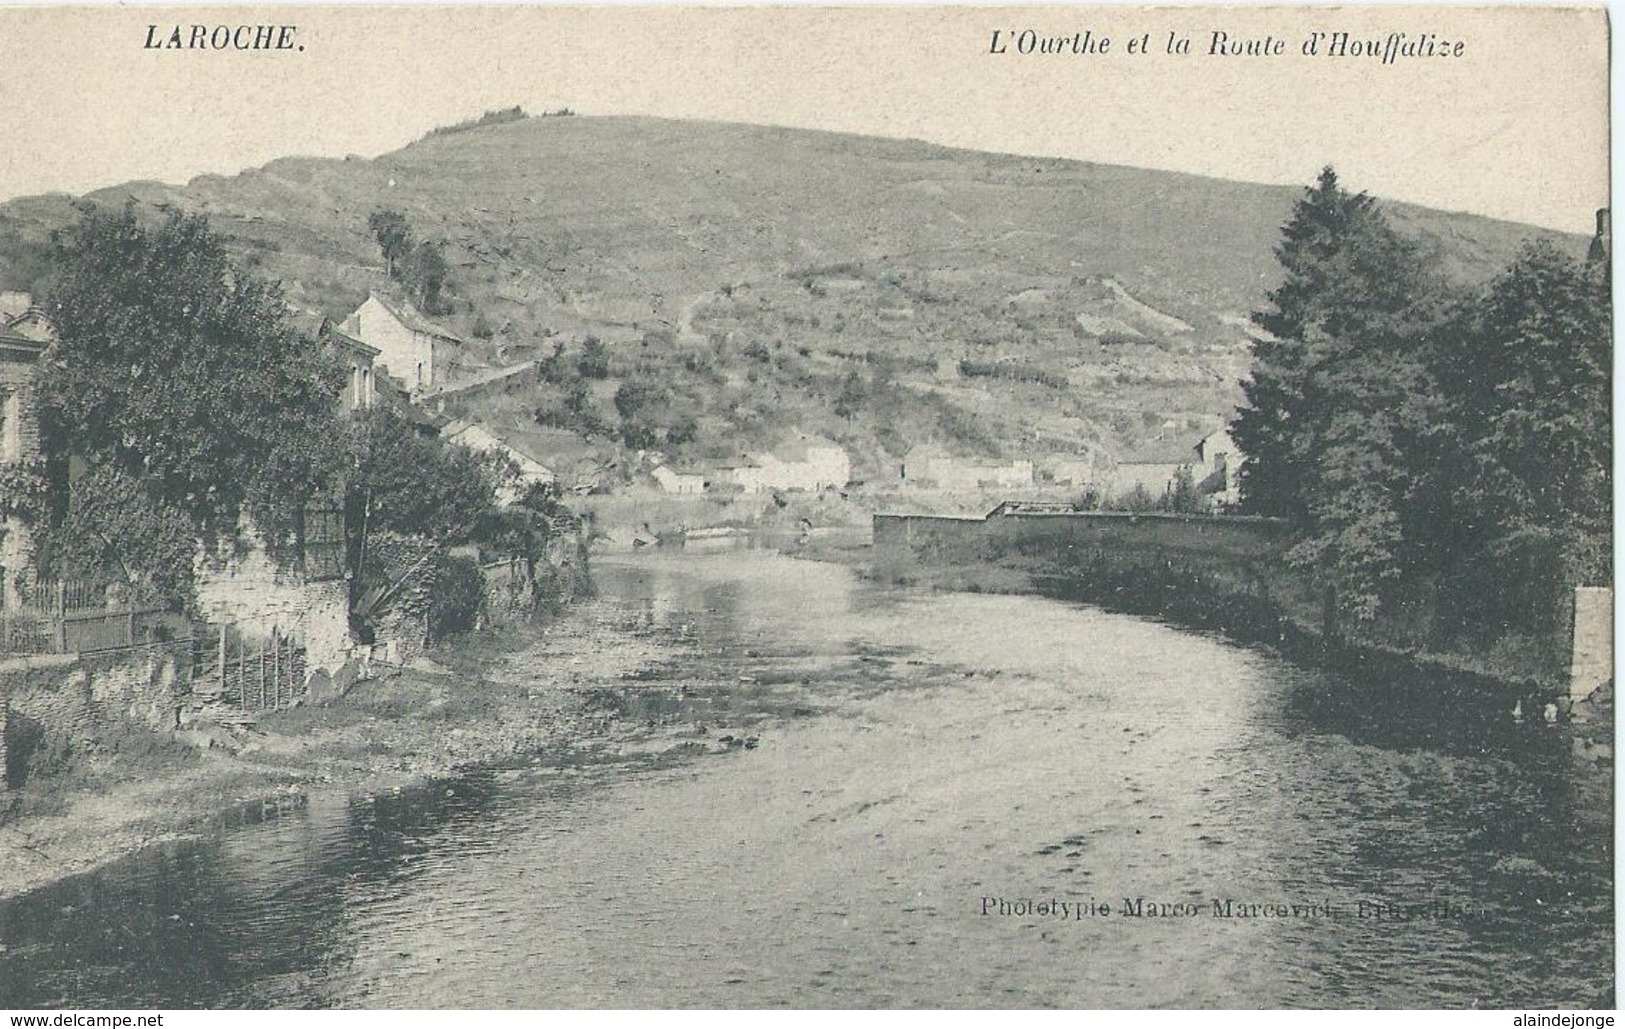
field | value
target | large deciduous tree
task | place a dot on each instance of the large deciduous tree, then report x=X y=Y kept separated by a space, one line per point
x=180 y=372
x=404 y=482
x=1527 y=452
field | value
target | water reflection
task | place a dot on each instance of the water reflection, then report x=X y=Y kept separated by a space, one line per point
x=920 y=752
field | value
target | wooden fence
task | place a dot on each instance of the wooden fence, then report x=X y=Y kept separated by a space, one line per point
x=262 y=675
x=60 y=617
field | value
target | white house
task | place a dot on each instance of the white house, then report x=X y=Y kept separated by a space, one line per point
x=478 y=438
x=806 y=463
x=678 y=482
x=930 y=465
x=416 y=351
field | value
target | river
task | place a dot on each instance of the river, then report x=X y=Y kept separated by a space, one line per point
x=842 y=782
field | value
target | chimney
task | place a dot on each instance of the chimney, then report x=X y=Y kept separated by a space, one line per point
x=1602 y=244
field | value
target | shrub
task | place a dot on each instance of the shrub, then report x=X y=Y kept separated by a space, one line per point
x=457 y=596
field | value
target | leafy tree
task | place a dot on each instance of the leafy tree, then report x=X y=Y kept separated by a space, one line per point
x=652 y=416
x=404 y=482
x=853 y=395
x=1525 y=463
x=526 y=527
x=419 y=266
x=394 y=235
x=594 y=362
x=456 y=595
x=426 y=276
x=1183 y=497
x=115 y=525
x=177 y=370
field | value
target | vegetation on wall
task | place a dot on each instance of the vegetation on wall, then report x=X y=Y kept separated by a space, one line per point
x=178 y=378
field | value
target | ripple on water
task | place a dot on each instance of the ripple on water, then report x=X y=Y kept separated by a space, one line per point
x=918 y=753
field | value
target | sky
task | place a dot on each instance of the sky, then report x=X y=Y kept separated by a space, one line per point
x=1515 y=127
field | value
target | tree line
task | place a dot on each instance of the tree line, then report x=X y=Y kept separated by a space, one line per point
x=1435 y=448
x=180 y=405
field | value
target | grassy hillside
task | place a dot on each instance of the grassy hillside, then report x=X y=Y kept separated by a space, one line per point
x=879 y=291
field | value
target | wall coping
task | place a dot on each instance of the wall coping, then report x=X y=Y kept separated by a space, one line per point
x=1128 y=516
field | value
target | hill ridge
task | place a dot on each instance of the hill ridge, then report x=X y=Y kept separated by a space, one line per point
x=873 y=289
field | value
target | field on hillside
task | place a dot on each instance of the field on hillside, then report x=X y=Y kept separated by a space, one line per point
x=749 y=280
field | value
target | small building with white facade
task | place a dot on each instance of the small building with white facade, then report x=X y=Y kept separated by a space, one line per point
x=478 y=438
x=682 y=483
x=805 y=463
x=932 y=466
x=417 y=351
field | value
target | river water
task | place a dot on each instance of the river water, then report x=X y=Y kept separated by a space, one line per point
x=915 y=758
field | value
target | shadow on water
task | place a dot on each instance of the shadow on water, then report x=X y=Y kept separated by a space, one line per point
x=1359 y=784
x=1369 y=696
x=249 y=919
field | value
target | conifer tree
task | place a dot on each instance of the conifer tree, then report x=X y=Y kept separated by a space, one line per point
x=1339 y=393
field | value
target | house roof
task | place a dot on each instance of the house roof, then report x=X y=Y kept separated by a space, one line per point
x=412 y=318
x=796 y=447
x=670 y=471
x=13 y=303
x=479 y=437
x=346 y=341
x=31 y=324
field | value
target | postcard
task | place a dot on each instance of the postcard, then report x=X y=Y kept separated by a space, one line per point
x=795 y=507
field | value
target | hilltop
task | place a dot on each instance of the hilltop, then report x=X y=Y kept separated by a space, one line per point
x=881 y=292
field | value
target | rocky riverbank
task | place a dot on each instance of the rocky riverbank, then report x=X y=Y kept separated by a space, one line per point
x=482 y=700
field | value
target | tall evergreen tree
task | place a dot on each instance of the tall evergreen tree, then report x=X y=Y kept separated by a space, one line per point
x=1338 y=392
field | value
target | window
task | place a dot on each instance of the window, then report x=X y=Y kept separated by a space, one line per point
x=324 y=543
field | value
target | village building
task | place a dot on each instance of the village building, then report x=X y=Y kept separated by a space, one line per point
x=478 y=438
x=1068 y=470
x=25 y=335
x=932 y=466
x=806 y=463
x=682 y=483
x=360 y=391
x=414 y=349
x=1216 y=467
